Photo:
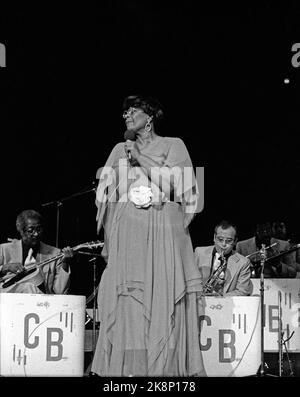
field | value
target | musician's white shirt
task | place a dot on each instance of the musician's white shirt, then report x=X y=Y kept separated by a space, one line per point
x=29 y=259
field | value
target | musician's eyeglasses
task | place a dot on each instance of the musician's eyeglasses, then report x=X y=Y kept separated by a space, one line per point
x=32 y=230
x=222 y=240
x=129 y=112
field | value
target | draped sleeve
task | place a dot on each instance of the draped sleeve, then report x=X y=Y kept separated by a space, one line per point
x=185 y=184
x=106 y=193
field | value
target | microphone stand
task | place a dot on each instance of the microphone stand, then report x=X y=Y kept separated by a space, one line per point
x=93 y=261
x=95 y=288
x=280 y=335
x=283 y=341
x=262 y=311
x=59 y=203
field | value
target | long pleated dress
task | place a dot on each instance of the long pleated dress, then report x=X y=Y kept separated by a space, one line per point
x=147 y=293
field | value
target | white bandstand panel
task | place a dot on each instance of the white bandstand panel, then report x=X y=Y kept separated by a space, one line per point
x=230 y=335
x=290 y=305
x=41 y=335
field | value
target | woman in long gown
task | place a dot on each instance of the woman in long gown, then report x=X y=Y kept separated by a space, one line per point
x=146 y=198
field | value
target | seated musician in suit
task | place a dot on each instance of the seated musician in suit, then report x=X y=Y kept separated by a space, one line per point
x=281 y=232
x=283 y=266
x=234 y=280
x=17 y=255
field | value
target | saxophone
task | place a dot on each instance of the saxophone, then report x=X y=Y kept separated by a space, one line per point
x=211 y=282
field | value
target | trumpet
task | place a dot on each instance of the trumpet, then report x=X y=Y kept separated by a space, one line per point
x=257 y=252
x=213 y=278
x=283 y=253
x=271 y=261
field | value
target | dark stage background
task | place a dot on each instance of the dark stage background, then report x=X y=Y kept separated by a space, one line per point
x=219 y=72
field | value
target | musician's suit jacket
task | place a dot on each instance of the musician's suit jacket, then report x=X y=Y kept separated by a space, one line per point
x=237 y=276
x=57 y=280
x=289 y=266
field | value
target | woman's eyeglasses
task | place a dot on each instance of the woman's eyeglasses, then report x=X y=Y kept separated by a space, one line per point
x=129 y=112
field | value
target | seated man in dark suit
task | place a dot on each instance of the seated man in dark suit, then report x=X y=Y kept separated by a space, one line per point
x=19 y=255
x=282 y=266
x=234 y=280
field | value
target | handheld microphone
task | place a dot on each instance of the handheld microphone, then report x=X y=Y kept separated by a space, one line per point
x=129 y=135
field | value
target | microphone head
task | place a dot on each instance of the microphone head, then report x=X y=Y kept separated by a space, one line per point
x=130 y=134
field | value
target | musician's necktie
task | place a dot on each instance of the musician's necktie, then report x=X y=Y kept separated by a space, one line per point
x=216 y=261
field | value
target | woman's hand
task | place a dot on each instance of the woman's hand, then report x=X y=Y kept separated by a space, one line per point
x=131 y=150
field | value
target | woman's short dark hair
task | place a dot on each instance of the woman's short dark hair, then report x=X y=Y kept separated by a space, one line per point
x=148 y=104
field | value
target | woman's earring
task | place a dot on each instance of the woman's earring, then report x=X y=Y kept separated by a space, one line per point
x=148 y=125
